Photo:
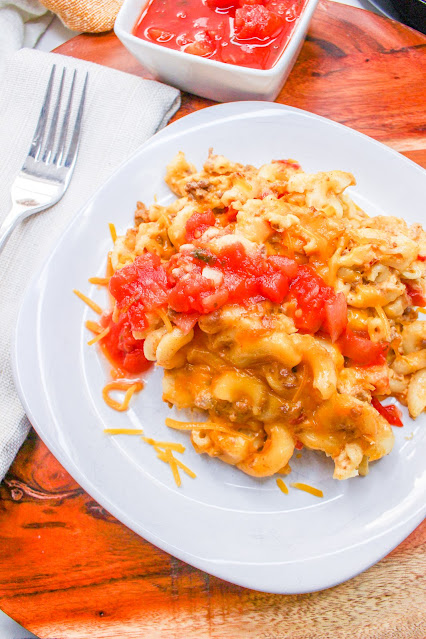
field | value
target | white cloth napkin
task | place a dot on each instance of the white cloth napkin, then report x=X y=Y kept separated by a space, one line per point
x=22 y=22
x=122 y=111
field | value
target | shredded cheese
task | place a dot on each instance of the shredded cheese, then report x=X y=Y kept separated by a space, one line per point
x=129 y=387
x=123 y=431
x=308 y=489
x=321 y=242
x=167 y=457
x=178 y=448
x=385 y=322
x=88 y=301
x=282 y=486
x=93 y=326
x=100 y=281
x=302 y=384
x=164 y=452
x=333 y=264
x=164 y=219
x=113 y=232
x=167 y=323
x=109 y=266
x=185 y=468
x=289 y=242
x=176 y=425
x=99 y=336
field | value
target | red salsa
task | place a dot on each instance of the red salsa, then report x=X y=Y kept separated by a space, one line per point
x=187 y=290
x=391 y=413
x=248 y=33
x=121 y=348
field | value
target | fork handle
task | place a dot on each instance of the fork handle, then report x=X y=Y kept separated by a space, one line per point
x=16 y=214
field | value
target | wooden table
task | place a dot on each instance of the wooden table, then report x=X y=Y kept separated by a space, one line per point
x=69 y=569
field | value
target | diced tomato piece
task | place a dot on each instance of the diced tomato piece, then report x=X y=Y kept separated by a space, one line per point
x=203 y=45
x=422 y=258
x=310 y=319
x=198 y=223
x=231 y=213
x=391 y=413
x=416 y=295
x=285 y=265
x=137 y=318
x=233 y=256
x=256 y=21
x=253 y=57
x=214 y=300
x=274 y=286
x=186 y=296
x=336 y=316
x=186 y=321
x=136 y=362
x=144 y=282
x=159 y=35
x=318 y=306
x=361 y=350
x=221 y=4
x=285 y=8
x=121 y=348
x=240 y=287
x=183 y=39
x=310 y=292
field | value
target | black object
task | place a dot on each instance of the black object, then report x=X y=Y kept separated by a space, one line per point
x=410 y=12
x=414 y=13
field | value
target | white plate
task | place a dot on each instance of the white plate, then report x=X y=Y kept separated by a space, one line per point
x=226 y=523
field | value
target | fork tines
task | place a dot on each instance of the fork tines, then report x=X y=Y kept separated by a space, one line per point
x=43 y=149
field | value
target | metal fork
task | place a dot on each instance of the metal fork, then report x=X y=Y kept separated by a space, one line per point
x=47 y=170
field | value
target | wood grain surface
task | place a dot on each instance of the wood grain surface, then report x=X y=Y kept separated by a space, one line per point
x=68 y=569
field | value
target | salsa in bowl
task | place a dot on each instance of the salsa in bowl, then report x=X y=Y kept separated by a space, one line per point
x=224 y=50
x=248 y=33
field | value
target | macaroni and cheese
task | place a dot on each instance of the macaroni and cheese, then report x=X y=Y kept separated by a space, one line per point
x=279 y=308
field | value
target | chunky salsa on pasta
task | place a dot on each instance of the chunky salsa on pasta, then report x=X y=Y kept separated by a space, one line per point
x=277 y=306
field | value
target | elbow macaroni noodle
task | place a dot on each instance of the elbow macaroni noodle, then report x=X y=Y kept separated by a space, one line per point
x=268 y=386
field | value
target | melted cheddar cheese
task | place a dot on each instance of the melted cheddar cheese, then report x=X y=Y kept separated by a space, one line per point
x=280 y=308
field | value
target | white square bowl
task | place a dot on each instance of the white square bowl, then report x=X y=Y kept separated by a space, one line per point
x=208 y=78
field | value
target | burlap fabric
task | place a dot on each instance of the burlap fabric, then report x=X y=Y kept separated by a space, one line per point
x=88 y=16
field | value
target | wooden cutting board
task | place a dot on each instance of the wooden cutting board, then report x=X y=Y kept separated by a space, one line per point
x=68 y=569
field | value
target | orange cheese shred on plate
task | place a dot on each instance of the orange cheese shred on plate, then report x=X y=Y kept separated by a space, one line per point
x=95 y=307
x=100 y=281
x=164 y=452
x=130 y=388
x=123 y=431
x=282 y=486
x=308 y=489
x=112 y=231
x=99 y=336
x=94 y=327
